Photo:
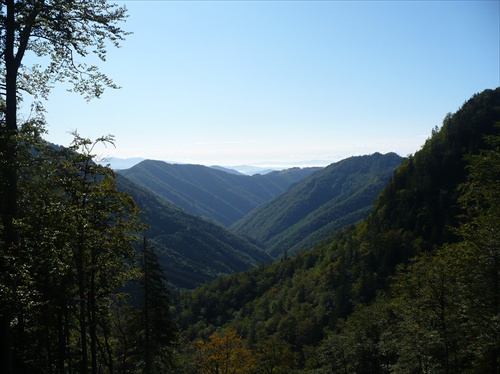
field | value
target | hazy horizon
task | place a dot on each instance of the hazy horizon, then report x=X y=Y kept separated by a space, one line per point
x=119 y=163
x=241 y=83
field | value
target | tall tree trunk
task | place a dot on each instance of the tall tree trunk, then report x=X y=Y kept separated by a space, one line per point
x=9 y=183
x=61 y=346
x=69 y=368
x=6 y=345
x=93 y=318
x=108 y=351
x=82 y=312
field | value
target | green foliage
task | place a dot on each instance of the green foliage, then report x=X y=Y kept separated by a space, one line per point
x=57 y=32
x=291 y=298
x=356 y=345
x=422 y=195
x=479 y=252
x=442 y=316
x=427 y=332
x=212 y=193
x=148 y=337
x=76 y=235
x=357 y=302
x=337 y=196
x=191 y=250
x=274 y=356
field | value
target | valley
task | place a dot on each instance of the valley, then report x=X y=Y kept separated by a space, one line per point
x=300 y=270
x=181 y=204
x=272 y=187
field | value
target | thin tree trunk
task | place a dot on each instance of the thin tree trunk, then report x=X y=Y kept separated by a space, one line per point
x=9 y=181
x=6 y=345
x=48 y=346
x=93 y=319
x=82 y=312
x=67 y=354
x=81 y=269
x=107 y=351
x=60 y=342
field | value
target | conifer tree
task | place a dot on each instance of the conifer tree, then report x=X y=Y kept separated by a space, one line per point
x=152 y=323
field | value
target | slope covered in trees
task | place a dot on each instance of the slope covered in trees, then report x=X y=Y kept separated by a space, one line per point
x=338 y=195
x=76 y=236
x=191 y=250
x=211 y=193
x=356 y=303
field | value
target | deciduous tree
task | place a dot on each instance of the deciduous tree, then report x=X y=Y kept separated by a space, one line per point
x=223 y=354
x=274 y=356
x=479 y=255
x=76 y=231
x=58 y=32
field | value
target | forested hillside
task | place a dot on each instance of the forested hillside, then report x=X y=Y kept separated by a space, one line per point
x=338 y=195
x=191 y=250
x=414 y=288
x=211 y=193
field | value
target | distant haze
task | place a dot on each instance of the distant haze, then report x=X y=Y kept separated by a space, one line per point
x=259 y=168
x=248 y=82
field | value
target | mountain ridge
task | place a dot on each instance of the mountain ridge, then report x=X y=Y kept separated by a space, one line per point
x=192 y=250
x=211 y=193
x=338 y=195
x=300 y=299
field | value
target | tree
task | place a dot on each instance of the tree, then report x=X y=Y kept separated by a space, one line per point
x=151 y=324
x=60 y=31
x=479 y=255
x=76 y=232
x=47 y=283
x=102 y=223
x=428 y=334
x=355 y=345
x=274 y=356
x=223 y=354
x=447 y=304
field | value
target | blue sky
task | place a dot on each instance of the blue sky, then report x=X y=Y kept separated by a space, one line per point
x=285 y=82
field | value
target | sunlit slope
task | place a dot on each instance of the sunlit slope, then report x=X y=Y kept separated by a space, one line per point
x=340 y=194
x=298 y=298
x=212 y=193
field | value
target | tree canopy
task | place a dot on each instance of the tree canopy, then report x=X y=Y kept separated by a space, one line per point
x=54 y=34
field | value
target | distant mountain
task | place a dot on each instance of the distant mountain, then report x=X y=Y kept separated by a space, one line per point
x=116 y=163
x=211 y=193
x=191 y=250
x=252 y=170
x=244 y=169
x=300 y=299
x=227 y=170
x=340 y=194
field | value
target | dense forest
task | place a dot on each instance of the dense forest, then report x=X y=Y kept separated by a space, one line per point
x=337 y=196
x=191 y=250
x=414 y=287
x=211 y=193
